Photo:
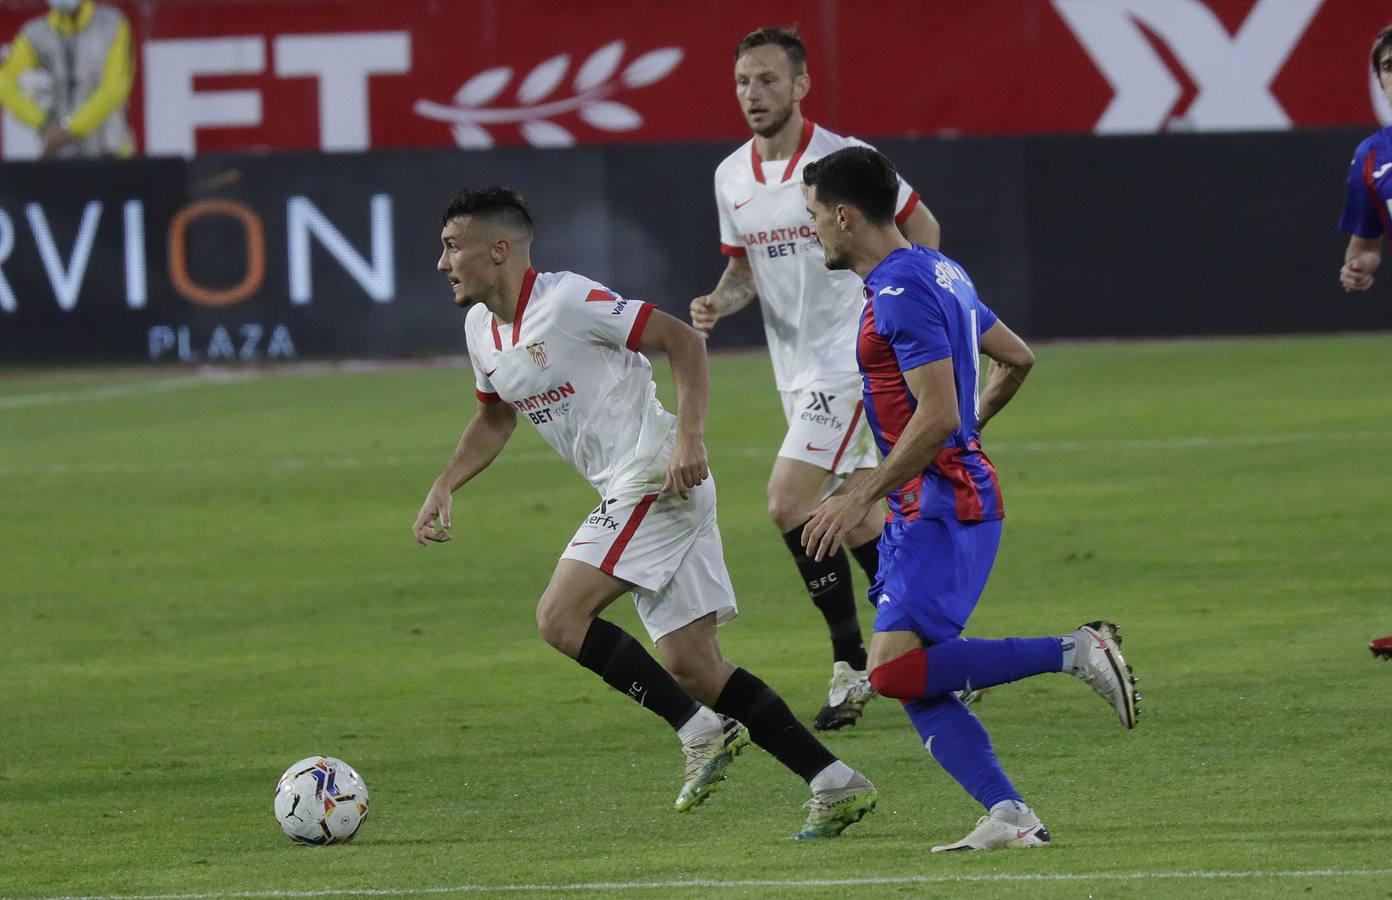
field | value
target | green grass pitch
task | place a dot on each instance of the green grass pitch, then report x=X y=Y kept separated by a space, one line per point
x=204 y=580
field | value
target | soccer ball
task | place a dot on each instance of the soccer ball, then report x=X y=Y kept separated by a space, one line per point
x=320 y=800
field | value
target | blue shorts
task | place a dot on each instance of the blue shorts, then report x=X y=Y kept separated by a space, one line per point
x=931 y=575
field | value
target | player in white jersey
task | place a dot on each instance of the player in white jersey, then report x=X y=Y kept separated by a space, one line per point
x=567 y=353
x=811 y=331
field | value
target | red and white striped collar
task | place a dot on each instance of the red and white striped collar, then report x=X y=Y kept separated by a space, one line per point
x=522 y=297
x=758 y=164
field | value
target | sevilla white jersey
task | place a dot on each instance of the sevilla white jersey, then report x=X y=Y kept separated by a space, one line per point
x=811 y=315
x=569 y=362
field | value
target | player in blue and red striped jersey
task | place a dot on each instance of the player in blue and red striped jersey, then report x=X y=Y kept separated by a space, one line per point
x=1368 y=212
x=923 y=329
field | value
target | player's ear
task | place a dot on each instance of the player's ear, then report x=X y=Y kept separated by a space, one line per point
x=801 y=85
x=843 y=217
x=499 y=251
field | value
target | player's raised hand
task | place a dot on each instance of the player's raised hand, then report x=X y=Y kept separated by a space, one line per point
x=688 y=467
x=434 y=516
x=704 y=315
x=1357 y=273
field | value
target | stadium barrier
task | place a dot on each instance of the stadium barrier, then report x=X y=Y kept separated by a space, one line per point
x=284 y=256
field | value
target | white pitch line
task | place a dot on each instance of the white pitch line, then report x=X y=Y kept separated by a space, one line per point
x=529 y=457
x=1198 y=442
x=707 y=884
x=112 y=391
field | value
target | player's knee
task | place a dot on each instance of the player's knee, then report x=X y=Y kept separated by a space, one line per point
x=561 y=627
x=787 y=512
x=903 y=678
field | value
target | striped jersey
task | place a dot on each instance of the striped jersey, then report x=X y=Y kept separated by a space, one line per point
x=1369 y=202
x=569 y=363
x=809 y=312
x=922 y=307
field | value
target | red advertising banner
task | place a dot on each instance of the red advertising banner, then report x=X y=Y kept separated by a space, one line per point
x=343 y=75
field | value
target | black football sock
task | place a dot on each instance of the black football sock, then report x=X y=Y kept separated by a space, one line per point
x=613 y=654
x=772 y=724
x=829 y=584
x=868 y=555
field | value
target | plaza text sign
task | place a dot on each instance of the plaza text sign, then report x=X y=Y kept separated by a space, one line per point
x=153 y=259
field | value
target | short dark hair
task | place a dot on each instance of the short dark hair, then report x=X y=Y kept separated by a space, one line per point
x=787 y=38
x=492 y=204
x=862 y=177
x=1381 y=44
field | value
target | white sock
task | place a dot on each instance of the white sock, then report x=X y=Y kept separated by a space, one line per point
x=1014 y=812
x=1070 y=651
x=833 y=777
x=704 y=722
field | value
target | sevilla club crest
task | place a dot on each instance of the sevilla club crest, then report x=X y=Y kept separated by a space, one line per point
x=538 y=351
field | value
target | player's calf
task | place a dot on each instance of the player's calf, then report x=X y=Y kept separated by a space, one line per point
x=904 y=678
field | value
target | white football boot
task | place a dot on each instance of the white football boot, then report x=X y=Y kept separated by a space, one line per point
x=709 y=753
x=832 y=811
x=1007 y=827
x=847 y=695
x=1098 y=661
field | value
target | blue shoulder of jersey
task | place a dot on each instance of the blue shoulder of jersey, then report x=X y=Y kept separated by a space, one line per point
x=909 y=270
x=1380 y=141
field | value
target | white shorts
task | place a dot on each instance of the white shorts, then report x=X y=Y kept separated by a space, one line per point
x=668 y=548
x=826 y=427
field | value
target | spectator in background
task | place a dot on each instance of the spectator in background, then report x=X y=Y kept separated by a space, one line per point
x=84 y=49
x=1366 y=213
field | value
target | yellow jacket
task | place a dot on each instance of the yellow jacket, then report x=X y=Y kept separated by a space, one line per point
x=88 y=57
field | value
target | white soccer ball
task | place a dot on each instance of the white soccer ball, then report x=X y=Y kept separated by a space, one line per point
x=320 y=800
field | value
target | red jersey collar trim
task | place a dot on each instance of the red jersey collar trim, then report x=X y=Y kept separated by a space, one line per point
x=522 y=297
x=758 y=164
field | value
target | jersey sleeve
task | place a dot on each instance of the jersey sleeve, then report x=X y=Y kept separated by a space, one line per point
x=730 y=243
x=1360 y=212
x=483 y=387
x=985 y=317
x=22 y=58
x=602 y=316
x=913 y=323
x=908 y=199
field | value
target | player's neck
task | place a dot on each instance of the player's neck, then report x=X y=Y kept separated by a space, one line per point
x=875 y=248
x=784 y=144
x=503 y=300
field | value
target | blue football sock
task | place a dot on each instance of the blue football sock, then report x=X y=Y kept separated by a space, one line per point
x=962 y=747
x=978 y=663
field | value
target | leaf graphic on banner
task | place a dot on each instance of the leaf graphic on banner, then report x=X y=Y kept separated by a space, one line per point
x=651 y=67
x=600 y=76
x=609 y=116
x=543 y=79
x=541 y=133
x=471 y=137
x=483 y=87
x=600 y=66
